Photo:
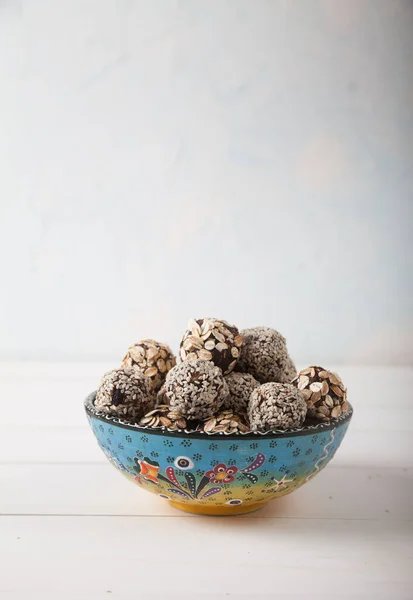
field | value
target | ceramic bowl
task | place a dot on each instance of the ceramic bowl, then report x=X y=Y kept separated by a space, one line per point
x=217 y=474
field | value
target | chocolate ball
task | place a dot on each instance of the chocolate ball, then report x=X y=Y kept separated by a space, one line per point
x=195 y=389
x=241 y=386
x=276 y=406
x=324 y=393
x=213 y=340
x=152 y=359
x=288 y=370
x=125 y=393
x=265 y=355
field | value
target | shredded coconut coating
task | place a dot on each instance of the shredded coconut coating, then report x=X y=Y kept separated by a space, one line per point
x=151 y=358
x=125 y=393
x=276 y=406
x=195 y=388
x=241 y=386
x=264 y=354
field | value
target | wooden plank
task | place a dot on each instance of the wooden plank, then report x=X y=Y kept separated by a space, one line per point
x=91 y=555
x=33 y=444
x=54 y=394
x=30 y=445
x=60 y=386
x=351 y=493
x=402 y=594
x=44 y=402
x=44 y=421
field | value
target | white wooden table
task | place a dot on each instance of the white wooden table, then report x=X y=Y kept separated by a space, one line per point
x=71 y=527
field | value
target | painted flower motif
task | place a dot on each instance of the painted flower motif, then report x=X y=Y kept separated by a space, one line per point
x=183 y=463
x=221 y=474
x=149 y=471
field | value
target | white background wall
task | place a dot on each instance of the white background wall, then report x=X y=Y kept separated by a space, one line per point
x=250 y=159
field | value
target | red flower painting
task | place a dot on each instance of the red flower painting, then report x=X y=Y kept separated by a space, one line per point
x=221 y=474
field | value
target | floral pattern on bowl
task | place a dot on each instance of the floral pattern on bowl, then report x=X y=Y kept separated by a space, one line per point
x=217 y=474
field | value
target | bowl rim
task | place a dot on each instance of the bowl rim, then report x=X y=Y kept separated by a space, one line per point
x=184 y=433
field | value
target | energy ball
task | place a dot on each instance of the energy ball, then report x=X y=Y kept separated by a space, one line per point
x=241 y=386
x=152 y=359
x=324 y=392
x=265 y=355
x=276 y=406
x=195 y=389
x=125 y=393
x=213 y=340
x=288 y=370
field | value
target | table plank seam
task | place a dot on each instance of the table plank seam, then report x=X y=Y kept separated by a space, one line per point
x=179 y=516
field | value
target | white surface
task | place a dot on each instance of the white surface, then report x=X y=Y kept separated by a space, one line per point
x=236 y=158
x=72 y=527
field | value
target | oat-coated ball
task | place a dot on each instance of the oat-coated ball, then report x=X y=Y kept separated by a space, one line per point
x=195 y=388
x=213 y=340
x=151 y=358
x=324 y=392
x=125 y=393
x=241 y=386
x=265 y=355
x=276 y=406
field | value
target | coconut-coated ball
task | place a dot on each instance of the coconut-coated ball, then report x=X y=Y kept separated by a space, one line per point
x=194 y=388
x=152 y=359
x=214 y=340
x=265 y=355
x=125 y=393
x=276 y=406
x=324 y=392
x=241 y=386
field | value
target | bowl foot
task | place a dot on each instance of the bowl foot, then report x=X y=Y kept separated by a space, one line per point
x=218 y=510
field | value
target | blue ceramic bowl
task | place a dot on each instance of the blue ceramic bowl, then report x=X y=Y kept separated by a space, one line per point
x=217 y=473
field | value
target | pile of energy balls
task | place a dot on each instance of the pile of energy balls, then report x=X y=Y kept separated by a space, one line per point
x=227 y=381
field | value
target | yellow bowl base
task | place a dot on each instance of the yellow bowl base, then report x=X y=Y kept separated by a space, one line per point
x=218 y=510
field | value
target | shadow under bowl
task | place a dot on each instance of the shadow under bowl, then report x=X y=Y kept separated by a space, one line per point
x=216 y=474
